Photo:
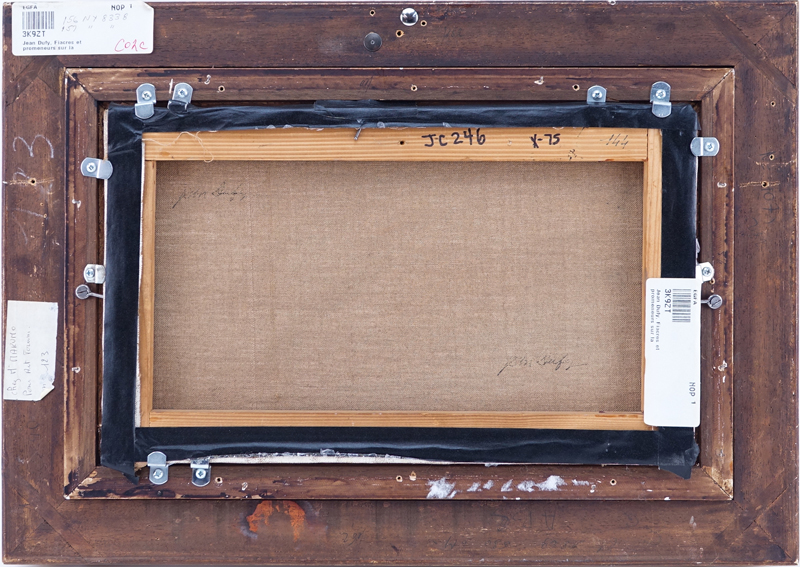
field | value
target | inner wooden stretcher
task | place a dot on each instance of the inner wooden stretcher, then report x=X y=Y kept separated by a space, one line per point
x=436 y=277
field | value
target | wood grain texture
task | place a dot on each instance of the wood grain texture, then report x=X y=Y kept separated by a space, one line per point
x=765 y=323
x=401 y=144
x=511 y=420
x=451 y=37
x=34 y=264
x=424 y=144
x=82 y=336
x=651 y=222
x=758 y=527
x=716 y=225
x=147 y=292
x=416 y=481
x=508 y=84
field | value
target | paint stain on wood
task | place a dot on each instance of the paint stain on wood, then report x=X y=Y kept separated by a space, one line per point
x=262 y=513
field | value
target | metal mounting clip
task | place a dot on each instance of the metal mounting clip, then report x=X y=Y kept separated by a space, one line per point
x=704 y=271
x=83 y=292
x=145 y=99
x=705 y=147
x=659 y=96
x=159 y=469
x=596 y=95
x=201 y=471
x=94 y=273
x=98 y=168
x=181 y=97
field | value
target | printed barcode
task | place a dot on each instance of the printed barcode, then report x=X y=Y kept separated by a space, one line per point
x=681 y=306
x=38 y=20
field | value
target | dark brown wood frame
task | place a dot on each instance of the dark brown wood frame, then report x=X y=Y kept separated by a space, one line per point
x=746 y=94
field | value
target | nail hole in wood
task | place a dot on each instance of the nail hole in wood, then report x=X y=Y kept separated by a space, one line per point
x=423 y=23
x=221 y=89
x=772 y=103
x=576 y=87
x=399 y=478
x=218 y=480
x=612 y=482
x=771 y=157
x=765 y=183
x=372 y=12
x=402 y=142
x=413 y=87
x=399 y=33
x=32 y=181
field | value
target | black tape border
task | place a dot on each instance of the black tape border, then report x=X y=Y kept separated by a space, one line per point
x=122 y=444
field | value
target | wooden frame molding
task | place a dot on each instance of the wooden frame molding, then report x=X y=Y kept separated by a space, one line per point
x=410 y=144
x=736 y=61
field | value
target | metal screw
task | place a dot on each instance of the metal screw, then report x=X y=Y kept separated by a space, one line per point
x=661 y=93
x=147 y=95
x=200 y=473
x=83 y=292
x=706 y=271
x=713 y=301
x=409 y=16
x=89 y=273
x=597 y=95
x=182 y=92
x=90 y=167
x=158 y=474
x=709 y=146
x=372 y=42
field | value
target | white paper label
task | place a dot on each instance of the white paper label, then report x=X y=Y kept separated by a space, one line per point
x=81 y=28
x=672 y=352
x=30 y=364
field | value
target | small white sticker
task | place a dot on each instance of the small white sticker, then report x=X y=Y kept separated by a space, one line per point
x=672 y=352
x=81 y=28
x=30 y=364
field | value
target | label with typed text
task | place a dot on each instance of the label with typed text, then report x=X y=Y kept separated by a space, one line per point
x=672 y=352
x=81 y=28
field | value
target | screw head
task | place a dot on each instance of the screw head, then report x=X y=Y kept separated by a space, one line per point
x=409 y=16
x=182 y=92
x=372 y=42
x=91 y=167
x=709 y=146
x=147 y=95
x=661 y=93
x=714 y=301
x=200 y=473
x=706 y=271
x=158 y=474
x=597 y=95
x=89 y=273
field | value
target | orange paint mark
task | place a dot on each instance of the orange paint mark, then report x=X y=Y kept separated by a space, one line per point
x=262 y=512
x=297 y=517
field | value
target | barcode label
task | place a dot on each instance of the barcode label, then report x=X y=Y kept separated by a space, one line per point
x=38 y=20
x=81 y=27
x=672 y=352
x=681 y=305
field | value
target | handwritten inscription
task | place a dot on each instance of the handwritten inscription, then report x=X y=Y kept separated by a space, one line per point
x=29 y=370
x=617 y=140
x=220 y=192
x=455 y=138
x=554 y=362
x=552 y=139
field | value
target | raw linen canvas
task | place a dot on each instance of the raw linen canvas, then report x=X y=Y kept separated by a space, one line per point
x=451 y=286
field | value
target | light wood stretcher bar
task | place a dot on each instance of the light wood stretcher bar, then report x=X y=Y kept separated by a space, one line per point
x=395 y=144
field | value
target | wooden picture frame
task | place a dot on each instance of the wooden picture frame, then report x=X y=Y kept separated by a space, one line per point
x=735 y=61
x=503 y=144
